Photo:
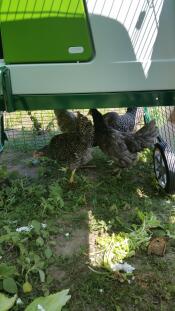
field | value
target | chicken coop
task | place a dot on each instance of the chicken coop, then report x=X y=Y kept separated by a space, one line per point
x=77 y=54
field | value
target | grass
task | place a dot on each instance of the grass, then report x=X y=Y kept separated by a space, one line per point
x=67 y=250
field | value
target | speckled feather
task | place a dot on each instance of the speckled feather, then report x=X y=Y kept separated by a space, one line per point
x=123 y=123
x=120 y=146
x=72 y=149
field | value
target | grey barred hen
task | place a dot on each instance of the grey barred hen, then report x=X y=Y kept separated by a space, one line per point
x=122 y=147
x=71 y=149
x=123 y=123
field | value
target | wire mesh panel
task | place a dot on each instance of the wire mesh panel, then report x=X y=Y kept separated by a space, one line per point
x=165 y=120
x=31 y=130
x=37 y=127
x=164 y=152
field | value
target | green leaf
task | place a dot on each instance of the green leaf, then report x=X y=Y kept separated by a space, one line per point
x=7 y=229
x=6 y=303
x=42 y=276
x=9 y=285
x=35 y=257
x=53 y=302
x=48 y=252
x=6 y=271
x=39 y=241
x=36 y=226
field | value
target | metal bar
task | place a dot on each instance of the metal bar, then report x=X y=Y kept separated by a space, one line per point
x=86 y=101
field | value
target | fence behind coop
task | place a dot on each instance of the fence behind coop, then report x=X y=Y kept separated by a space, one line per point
x=29 y=130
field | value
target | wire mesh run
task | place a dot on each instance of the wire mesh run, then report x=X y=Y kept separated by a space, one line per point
x=165 y=120
x=31 y=130
x=164 y=151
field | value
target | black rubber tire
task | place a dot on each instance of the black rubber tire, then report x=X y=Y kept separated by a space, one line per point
x=164 y=167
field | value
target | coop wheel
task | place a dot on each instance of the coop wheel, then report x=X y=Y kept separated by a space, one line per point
x=164 y=167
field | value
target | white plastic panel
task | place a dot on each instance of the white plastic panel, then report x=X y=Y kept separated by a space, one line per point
x=134 y=51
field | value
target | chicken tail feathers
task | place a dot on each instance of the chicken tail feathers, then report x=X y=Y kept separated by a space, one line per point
x=145 y=137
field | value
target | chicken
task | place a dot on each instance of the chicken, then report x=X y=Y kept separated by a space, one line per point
x=71 y=149
x=67 y=120
x=122 y=147
x=123 y=123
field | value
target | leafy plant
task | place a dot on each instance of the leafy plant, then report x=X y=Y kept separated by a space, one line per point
x=30 y=260
x=149 y=220
x=55 y=200
x=7 y=271
x=3 y=173
x=37 y=126
x=53 y=302
x=7 y=274
x=6 y=303
x=50 y=125
x=123 y=245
